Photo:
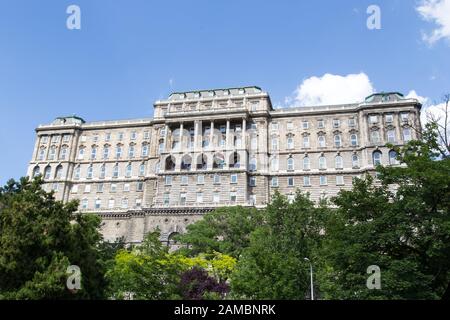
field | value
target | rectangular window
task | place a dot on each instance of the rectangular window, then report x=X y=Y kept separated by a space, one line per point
x=391 y=136
x=138 y=203
x=200 y=179
x=351 y=122
x=113 y=187
x=404 y=117
x=290 y=181
x=216 y=197
x=307 y=181
x=108 y=137
x=320 y=124
x=133 y=135
x=166 y=199
x=98 y=203
x=216 y=179
x=84 y=204
x=100 y=187
x=389 y=118
x=323 y=180
x=290 y=126
x=234 y=178
x=87 y=188
x=168 y=180
x=373 y=119
x=124 y=203
x=336 y=123
x=407 y=134
x=306 y=142
x=199 y=197
x=305 y=125
x=140 y=187
x=274 y=126
x=111 y=204
x=339 y=180
x=126 y=187
x=183 y=198
x=146 y=135
x=274 y=182
x=184 y=180
x=75 y=188
x=233 y=197
x=252 y=181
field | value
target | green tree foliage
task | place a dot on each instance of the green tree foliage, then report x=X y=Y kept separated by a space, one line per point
x=273 y=266
x=226 y=230
x=39 y=239
x=401 y=224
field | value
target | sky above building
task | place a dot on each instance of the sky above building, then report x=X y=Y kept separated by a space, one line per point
x=128 y=54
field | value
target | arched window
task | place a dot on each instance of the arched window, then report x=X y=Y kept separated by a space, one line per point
x=252 y=164
x=128 y=171
x=170 y=164
x=186 y=163
x=106 y=152
x=90 y=172
x=322 y=142
x=58 y=172
x=172 y=239
x=52 y=153
x=47 y=173
x=375 y=136
x=81 y=153
x=63 y=153
x=142 y=170
x=290 y=143
x=118 y=151
x=36 y=171
x=354 y=140
x=306 y=163
x=42 y=153
x=339 y=162
x=393 y=157
x=322 y=163
x=77 y=172
x=218 y=161
x=103 y=171
x=376 y=158
x=131 y=151
x=337 y=141
x=290 y=164
x=274 y=164
x=116 y=171
x=145 y=150
x=93 y=152
x=355 y=161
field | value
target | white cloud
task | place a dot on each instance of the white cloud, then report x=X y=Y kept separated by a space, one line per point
x=437 y=12
x=413 y=95
x=331 y=89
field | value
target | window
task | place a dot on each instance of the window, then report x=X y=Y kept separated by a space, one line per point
x=234 y=178
x=81 y=153
x=89 y=172
x=128 y=171
x=41 y=154
x=108 y=136
x=320 y=124
x=183 y=198
x=290 y=164
x=113 y=187
x=36 y=172
x=145 y=150
x=290 y=143
x=404 y=117
x=233 y=197
x=95 y=138
x=391 y=135
x=105 y=152
x=93 y=153
x=142 y=170
x=291 y=198
x=274 y=164
x=63 y=153
x=98 y=203
x=120 y=136
x=375 y=136
x=337 y=141
x=66 y=138
x=252 y=181
x=118 y=151
x=376 y=158
x=393 y=157
x=140 y=186
x=354 y=140
x=146 y=135
x=323 y=180
x=133 y=135
x=274 y=144
x=216 y=197
x=252 y=199
x=321 y=140
x=373 y=119
x=124 y=203
x=83 y=138
x=116 y=171
x=126 y=187
x=47 y=173
x=322 y=163
x=166 y=199
x=305 y=125
x=74 y=189
x=59 y=172
x=290 y=181
x=55 y=187
x=306 y=142
x=52 y=153
x=274 y=126
x=100 y=187
x=339 y=180
x=306 y=181
x=138 y=203
x=87 y=188
x=352 y=122
x=77 y=173
x=407 y=134
x=355 y=161
x=84 y=204
x=44 y=139
x=199 y=197
x=200 y=179
x=161 y=147
x=336 y=123
x=55 y=139
x=339 y=162
x=111 y=204
x=252 y=164
x=290 y=126
x=184 y=180
x=306 y=163
x=216 y=179
x=131 y=151
x=389 y=118
x=274 y=182
x=168 y=180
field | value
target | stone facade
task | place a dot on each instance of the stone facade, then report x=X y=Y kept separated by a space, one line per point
x=207 y=149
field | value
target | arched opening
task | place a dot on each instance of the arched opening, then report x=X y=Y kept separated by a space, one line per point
x=36 y=171
x=58 y=172
x=219 y=161
x=376 y=158
x=47 y=173
x=393 y=157
x=172 y=239
x=170 y=163
x=186 y=163
x=235 y=161
x=202 y=162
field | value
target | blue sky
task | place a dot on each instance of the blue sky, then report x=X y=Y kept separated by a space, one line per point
x=130 y=53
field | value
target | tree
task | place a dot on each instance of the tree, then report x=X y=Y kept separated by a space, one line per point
x=39 y=239
x=274 y=266
x=440 y=121
x=196 y=284
x=401 y=224
x=226 y=230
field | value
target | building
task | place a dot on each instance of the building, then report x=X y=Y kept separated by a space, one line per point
x=212 y=148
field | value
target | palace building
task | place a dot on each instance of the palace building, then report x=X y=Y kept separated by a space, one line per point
x=213 y=148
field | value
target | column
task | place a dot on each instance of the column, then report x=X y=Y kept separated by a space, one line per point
x=196 y=128
x=166 y=135
x=211 y=135
x=227 y=136
x=181 y=136
x=244 y=133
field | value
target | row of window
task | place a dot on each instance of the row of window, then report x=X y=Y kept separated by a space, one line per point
x=305 y=124
x=120 y=136
x=200 y=179
x=323 y=180
x=199 y=198
x=118 y=151
x=111 y=204
x=113 y=187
